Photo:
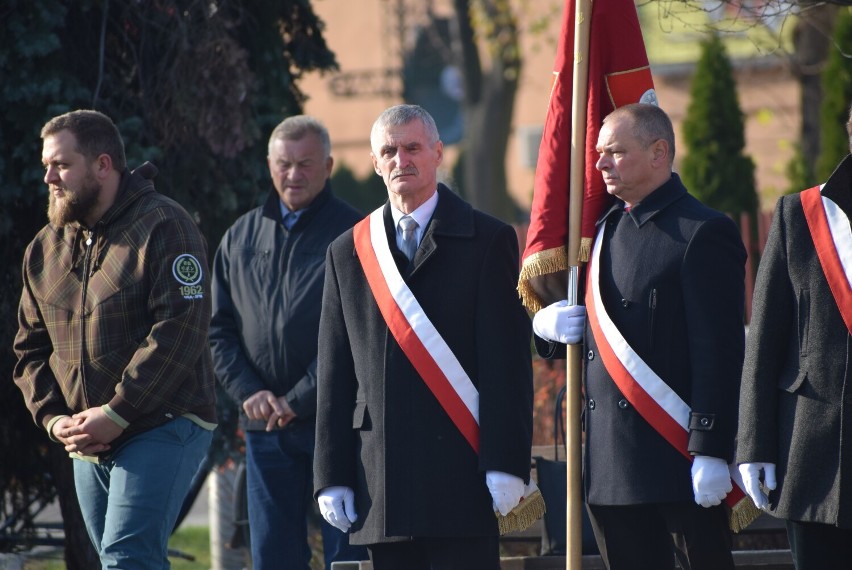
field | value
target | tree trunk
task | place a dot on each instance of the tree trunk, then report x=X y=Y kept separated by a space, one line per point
x=489 y=101
x=484 y=172
x=812 y=39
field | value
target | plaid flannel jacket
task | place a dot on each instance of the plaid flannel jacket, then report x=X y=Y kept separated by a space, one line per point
x=118 y=314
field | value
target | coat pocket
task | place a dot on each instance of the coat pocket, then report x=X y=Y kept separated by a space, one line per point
x=360 y=416
x=792 y=384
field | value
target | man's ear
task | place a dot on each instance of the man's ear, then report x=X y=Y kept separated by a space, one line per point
x=102 y=166
x=660 y=150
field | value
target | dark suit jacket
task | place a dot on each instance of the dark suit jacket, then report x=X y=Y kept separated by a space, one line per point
x=672 y=280
x=379 y=428
x=796 y=405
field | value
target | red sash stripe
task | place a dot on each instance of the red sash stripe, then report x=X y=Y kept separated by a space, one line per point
x=826 y=249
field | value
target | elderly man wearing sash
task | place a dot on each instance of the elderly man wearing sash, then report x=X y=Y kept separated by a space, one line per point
x=663 y=356
x=796 y=406
x=424 y=411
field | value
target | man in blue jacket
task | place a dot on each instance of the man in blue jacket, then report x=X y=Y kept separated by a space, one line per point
x=267 y=290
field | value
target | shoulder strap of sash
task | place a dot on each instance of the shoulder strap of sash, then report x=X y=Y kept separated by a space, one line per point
x=832 y=237
x=414 y=332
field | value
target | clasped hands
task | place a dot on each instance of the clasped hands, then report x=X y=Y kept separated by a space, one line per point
x=337 y=504
x=264 y=405
x=561 y=322
x=88 y=432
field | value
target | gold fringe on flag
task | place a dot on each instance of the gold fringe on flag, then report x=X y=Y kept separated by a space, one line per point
x=541 y=263
x=530 y=509
x=585 y=252
x=743 y=514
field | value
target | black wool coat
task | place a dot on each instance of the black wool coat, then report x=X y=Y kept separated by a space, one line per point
x=672 y=281
x=380 y=430
x=796 y=399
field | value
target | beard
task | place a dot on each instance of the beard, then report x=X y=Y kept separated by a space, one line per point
x=75 y=205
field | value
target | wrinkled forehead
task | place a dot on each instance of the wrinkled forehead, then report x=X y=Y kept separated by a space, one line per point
x=413 y=132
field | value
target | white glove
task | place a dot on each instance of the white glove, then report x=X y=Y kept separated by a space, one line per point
x=711 y=481
x=751 y=481
x=561 y=322
x=337 y=507
x=506 y=490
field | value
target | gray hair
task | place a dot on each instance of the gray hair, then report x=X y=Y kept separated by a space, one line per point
x=295 y=127
x=402 y=115
x=650 y=123
x=95 y=133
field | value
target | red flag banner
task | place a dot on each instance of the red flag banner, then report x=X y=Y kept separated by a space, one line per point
x=618 y=74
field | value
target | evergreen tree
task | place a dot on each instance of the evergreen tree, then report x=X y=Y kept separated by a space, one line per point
x=715 y=169
x=837 y=96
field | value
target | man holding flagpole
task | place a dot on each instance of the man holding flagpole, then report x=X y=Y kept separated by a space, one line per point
x=424 y=392
x=663 y=353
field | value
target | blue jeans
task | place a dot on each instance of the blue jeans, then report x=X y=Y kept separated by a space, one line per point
x=131 y=501
x=279 y=478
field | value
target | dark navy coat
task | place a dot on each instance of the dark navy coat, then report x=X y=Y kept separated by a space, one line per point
x=379 y=428
x=267 y=294
x=672 y=281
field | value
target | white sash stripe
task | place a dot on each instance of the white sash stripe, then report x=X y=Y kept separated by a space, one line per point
x=841 y=234
x=416 y=317
x=667 y=398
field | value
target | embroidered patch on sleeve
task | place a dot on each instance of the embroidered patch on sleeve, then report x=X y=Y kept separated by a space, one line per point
x=188 y=273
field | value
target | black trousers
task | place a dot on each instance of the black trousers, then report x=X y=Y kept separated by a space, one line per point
x=651 y=537
x=817 y=546
x=469 y=553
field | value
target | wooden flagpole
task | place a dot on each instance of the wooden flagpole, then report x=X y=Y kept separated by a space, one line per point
x=573 y=392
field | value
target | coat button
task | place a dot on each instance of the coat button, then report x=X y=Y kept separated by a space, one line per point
x=591 y=404
x=622 y=403
x=591 y=355
x=625 y=303
x=705 y=422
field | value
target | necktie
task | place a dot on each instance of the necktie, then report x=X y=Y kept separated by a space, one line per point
x=290 y=220
x=409 y=238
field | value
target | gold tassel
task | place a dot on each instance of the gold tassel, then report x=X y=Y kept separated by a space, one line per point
x=541 y=263
x=530 y=509
x=743 y=514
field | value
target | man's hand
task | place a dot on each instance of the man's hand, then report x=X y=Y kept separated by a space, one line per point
x=506 y=490
x=285 y=417
x=337 y=507
x=261 y=405
x=88 y=432
x=751 y=481
x=561 y=322
x=711 y=481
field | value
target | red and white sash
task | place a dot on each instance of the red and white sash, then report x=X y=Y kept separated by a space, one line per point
x=417 y=336
x=655 y=400
x=832 y=238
